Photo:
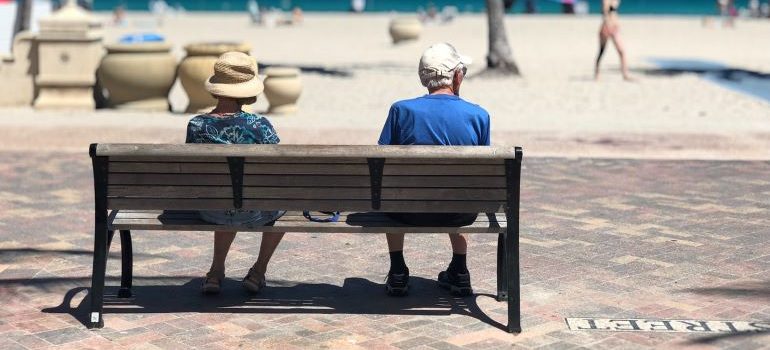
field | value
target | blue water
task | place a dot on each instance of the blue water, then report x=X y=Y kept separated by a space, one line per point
x=674 y=7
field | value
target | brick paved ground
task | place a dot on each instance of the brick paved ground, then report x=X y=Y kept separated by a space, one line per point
x=601 y=238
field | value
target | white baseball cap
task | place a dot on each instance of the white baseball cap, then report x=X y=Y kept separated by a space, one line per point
x=440 y=60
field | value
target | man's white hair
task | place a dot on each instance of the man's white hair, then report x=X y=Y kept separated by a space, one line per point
x=433 y=81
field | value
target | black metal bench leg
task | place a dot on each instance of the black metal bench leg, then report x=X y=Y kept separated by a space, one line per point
x=502 y=276
x=127 y=264
x=513 y=194
x=101 y=238
x=514 y=287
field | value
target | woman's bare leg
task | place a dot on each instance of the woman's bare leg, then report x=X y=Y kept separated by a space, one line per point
x=267 y=247
x=602 y=45
x=222 y=242
x=622 y=53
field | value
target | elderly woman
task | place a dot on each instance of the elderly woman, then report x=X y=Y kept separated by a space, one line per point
x=234 y=84
x=609 y=30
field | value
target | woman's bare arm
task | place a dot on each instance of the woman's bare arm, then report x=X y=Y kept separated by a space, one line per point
x=606 y=7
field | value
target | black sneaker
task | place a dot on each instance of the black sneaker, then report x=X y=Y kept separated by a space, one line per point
x=458 y=284
x=397 y=284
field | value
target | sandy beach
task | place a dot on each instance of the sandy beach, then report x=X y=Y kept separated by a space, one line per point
x=353 y=73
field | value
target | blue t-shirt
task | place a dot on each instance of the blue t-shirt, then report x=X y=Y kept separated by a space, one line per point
x=437 y=119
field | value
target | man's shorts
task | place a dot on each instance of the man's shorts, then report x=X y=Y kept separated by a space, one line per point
x=435 y=219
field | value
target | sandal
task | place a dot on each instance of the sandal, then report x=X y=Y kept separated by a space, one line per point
x=253 y=282
x=211 y=285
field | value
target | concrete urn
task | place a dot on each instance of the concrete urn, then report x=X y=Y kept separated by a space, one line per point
x=404 y=29
x=198 y=66
x=138 y=76
x=282 y=89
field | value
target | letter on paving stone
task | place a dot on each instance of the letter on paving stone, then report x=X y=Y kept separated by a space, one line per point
x=591 y=325
x=730 y=327
x=632 y=323
x=702 y=325
x=654 y=327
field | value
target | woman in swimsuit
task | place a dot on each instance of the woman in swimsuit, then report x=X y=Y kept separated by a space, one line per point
x=609 y=30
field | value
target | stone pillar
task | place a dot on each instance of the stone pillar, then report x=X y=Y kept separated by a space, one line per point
x=69 y=50
x=17 y=72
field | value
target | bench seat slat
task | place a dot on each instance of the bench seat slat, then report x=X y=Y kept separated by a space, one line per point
x=305 y=193
x=307 y=169
x=295 y=222
x=437 y=181
x=289 y=215
x=307 y=160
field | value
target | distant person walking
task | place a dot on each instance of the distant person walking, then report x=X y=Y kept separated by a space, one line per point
x=568 y=7
x=357 y=6
x=609 y=30
x=728 y=12
x=253 y=8
x=529 y=6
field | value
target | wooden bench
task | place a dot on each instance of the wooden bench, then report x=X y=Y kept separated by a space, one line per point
x=159 y=187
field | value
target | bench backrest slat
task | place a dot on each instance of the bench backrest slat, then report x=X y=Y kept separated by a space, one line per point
x=472 y=179
x=286 y=168
x=439 y=181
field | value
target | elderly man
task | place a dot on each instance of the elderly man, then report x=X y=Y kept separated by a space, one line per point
x=439 y=118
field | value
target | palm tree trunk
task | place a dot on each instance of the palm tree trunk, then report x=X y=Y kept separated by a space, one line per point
x=23 y=16
x=500 y=57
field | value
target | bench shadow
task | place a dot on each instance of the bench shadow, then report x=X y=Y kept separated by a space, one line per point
x=737 y=290
x=356 y=296
x=733 y=335
x=760 y=290
x=13 y=254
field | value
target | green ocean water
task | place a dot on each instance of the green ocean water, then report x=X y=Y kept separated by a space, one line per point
x=673 y=7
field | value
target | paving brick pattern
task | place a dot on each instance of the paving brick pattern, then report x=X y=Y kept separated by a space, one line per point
x=600 y=238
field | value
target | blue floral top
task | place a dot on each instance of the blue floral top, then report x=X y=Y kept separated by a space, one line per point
x=239 y=128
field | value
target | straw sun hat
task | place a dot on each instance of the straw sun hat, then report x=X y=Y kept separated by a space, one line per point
x=235 y=76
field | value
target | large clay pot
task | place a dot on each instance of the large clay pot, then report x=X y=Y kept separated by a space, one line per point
x=198 y=66
x=403 y=29
x=282 y=89
x=138 y=76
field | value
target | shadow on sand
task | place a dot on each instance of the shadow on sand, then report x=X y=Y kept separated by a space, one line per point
x=355 y=296
x=320 y=70
x=746 y=81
